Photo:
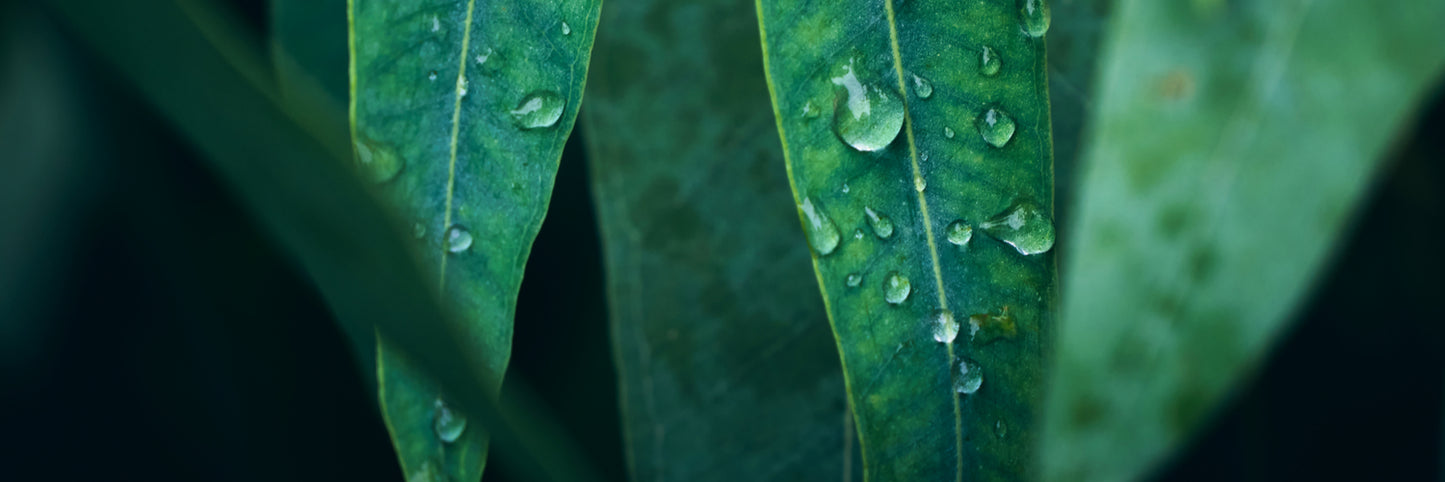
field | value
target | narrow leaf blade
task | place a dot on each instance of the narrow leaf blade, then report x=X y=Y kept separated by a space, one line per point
x=1230 y=143
x=899 y=119
x=727 y=368
x=460 y=110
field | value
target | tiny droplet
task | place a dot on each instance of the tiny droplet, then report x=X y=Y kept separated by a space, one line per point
x=458 y=238
x=882 y=226
x=449 y=425
x=959 y=232
x=948 y=132
x=896 y=288
x=1035 y=15
x=377 y=161
x=1024 y=226
x=988 y=62
x=854 y=279
x=566 y=29
x=945 y=328
x=968 y=377
x=922 y=87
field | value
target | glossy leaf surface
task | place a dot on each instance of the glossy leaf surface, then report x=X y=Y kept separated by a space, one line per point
x=917 y=140
x=727 y=368
x=1230 y=144
x=459 y=113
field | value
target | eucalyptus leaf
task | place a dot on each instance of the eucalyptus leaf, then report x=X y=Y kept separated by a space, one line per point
x=1230 y=143
x=459 y=112
x=727 y=368
x=917 y=141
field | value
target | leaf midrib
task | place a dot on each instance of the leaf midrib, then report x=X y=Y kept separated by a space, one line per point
x=927 y=226
x=452 y=144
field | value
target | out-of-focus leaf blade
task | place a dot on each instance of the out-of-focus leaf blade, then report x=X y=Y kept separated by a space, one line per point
x=344 y=239
x=1230 y=143
x=309 y=57
x=916 y=135
x=459 y=113
x=728 y=370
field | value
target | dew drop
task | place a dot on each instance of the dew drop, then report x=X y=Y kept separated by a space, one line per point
x=823 y=235
x=896 y=288
x=857 y=234
x=996 y=127
x=922 y=87
x=482 y=57
x=1035 y=16
x=968 y=377
x=854 y=279
x=458 y=238
x=959 y=233
x=539 y=109
x=919 y=184
x=948 y=132
x=882 y=226
x=566 y=29
x=436 y=23
x=378 y=162
x=462 y=86
x=845 y=188
x=1024 y=226
x=988 y=62
x=431 y=75
x=1000 y=429
x=945 y=328
x=871 y=117
x=449 y=425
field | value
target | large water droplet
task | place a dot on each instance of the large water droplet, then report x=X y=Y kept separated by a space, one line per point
x=922 y=87
x=1035 y=15
x=428 y=472
x=896 y=288
x=882 y=226
x=967 y=377
x=566 y=29
x=1024 y=226
x=995 y=126
x=988 y=62
x=458 y=238
x=378 y=162
x=822 y=233
x=958 y=232
x=854 y=279
x=449 y=425
x=870 y=117
x=945 y=328
x=539 y=109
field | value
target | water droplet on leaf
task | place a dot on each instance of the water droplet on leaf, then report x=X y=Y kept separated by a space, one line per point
x=566 y=29
x=845 y=188
x=1035 y=15
x=428 y=472
x=1024 y=226
x=854 y=279
x=996 y=127
x=869 y=118
x=896 y=288
x=858 y=234
x=922 y=87
x=449 y=425
x=810 y=111
x=959 y=232
x=539 y=109
x=919 y=184
x=968 y=377
x=945 y=328
x=458 y=238
x=823 y=235
x=1000 y=429
x=882 y=226
x=431 y=75
x=988 y=62
x=378 y=162
x=948 y=132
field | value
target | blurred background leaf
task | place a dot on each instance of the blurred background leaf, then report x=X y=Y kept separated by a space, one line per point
x=728 y=369
x=1231 y=142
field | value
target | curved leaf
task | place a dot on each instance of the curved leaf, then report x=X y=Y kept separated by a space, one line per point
x=727 y=368
x=459 y=113
x=917 y=140
x=1230 y=143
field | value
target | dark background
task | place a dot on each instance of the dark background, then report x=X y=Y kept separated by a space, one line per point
x=150 y=331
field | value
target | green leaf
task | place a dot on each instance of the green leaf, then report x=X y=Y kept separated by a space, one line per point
x=1231 y=142
x=459 y=113
x=728 y=370
x=911 y=226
